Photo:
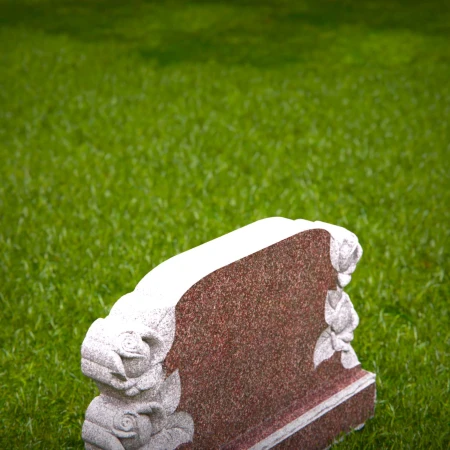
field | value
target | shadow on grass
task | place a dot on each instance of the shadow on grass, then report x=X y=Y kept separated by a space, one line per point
x=260 y=33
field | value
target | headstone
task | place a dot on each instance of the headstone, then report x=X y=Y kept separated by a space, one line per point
x=241 y=343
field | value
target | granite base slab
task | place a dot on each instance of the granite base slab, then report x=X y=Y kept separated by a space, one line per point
x=314 y=426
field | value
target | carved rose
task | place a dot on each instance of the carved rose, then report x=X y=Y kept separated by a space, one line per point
x=131 y=343
x=342 y=320
x=125 y=425
x=124 y=352
x=135 y=354
x=341 y=341
x=134 y=430
x=340 y=315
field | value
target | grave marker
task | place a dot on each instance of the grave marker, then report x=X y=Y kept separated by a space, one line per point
x=240 y=343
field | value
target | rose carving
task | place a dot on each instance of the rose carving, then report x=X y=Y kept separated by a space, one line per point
x=111 y=424
x=135 y=354
x=123 y=353
x=134 y=430
x=130 y=344
x=127 y=355
x=340 y=314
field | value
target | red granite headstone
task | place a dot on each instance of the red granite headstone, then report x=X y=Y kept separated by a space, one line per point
x=257 y=347
x=244 y=346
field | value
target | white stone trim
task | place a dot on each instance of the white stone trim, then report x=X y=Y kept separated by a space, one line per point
x=314 y=413
x=158 y=290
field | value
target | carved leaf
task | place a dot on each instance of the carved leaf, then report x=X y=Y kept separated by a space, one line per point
x=324 y=348
x=99 y=437
x=165 y=330
x=179 y=430
x=330 y=312
x=333 y=298
x=349 y=358
x=350 y=258
x=170 y=392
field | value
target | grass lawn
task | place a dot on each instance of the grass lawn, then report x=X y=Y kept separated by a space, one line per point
x=133 y=130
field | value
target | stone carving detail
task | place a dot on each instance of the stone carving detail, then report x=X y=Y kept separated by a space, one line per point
x=340 y=315
x=136 y=407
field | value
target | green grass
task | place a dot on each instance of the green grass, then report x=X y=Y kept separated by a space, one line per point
x=133 y=130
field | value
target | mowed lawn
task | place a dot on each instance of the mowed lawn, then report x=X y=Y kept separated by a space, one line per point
x=131 y=131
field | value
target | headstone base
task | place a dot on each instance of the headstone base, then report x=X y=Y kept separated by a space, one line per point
x=317 y=423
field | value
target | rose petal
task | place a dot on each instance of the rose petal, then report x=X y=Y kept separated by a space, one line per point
x=343 y=317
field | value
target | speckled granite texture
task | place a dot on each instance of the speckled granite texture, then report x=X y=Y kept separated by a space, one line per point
x=345 y=417
x=244 y=346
